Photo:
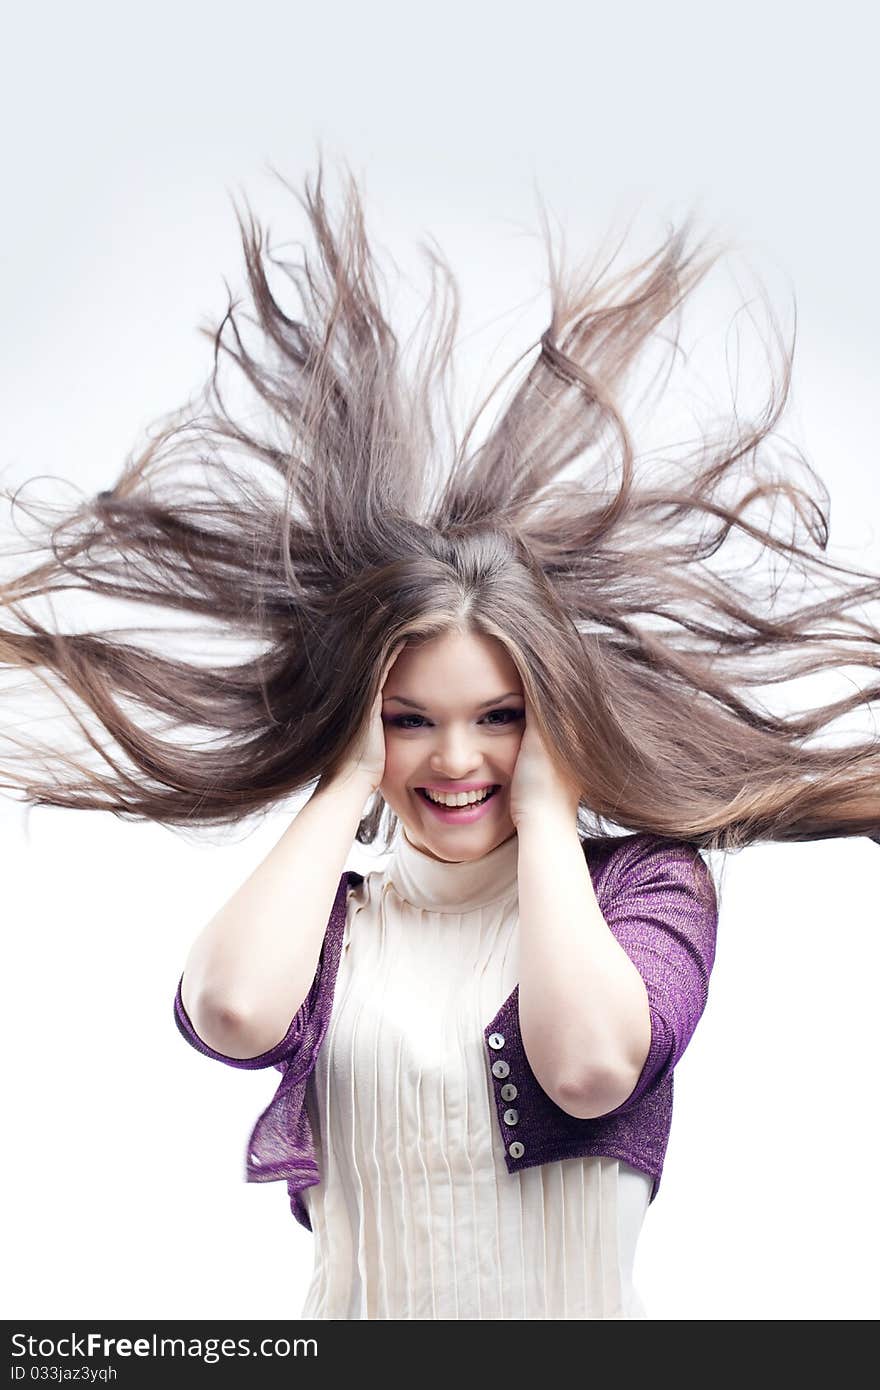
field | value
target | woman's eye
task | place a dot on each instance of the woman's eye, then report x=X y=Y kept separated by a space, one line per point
x=510 y=715
x=514 y=714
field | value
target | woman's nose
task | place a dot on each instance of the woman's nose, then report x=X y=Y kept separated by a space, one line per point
x=456 y=755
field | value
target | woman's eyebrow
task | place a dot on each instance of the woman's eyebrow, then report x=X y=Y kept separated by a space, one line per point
x=494 y=701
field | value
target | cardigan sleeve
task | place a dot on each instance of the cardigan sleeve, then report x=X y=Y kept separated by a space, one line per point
x=662 y=908
x=281 y=1052
x=306 y=1030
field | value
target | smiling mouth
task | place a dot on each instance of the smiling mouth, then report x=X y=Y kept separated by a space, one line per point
x=423 y=794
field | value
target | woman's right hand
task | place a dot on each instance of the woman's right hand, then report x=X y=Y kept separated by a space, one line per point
x=367 y=760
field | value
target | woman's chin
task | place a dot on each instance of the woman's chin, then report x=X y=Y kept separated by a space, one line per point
x=454 y=840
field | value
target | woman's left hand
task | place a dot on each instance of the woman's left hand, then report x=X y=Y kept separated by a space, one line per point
x=539 y=785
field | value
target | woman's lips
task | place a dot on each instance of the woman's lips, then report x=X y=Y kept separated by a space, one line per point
x=457 y=815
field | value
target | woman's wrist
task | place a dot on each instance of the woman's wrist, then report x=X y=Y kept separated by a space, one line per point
x=547 y=819
x=351 y=783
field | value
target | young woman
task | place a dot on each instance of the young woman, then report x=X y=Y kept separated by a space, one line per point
x=477 y=1041
x=484 y=1058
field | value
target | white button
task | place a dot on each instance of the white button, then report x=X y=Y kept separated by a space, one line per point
x=255 y=1160
x=511 y=1117
x=500 y=1068
x=509 y=1092
x=516 y=1149
x=496 y=1040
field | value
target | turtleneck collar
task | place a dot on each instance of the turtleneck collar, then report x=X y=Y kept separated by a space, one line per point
x=444 y=887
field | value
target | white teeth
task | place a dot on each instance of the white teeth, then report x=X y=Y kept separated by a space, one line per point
x=457 y=798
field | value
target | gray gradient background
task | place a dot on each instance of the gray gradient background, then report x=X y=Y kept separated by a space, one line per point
x=125 y=132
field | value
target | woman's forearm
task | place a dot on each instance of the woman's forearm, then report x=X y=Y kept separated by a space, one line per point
x=252 y=966
x=583 y=1006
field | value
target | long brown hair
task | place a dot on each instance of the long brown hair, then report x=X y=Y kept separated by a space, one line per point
x=341 y=514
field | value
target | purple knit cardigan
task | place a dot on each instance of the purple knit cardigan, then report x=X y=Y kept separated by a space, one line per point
x=658 y=899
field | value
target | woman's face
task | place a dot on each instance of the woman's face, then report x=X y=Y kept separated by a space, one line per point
x=453 y=711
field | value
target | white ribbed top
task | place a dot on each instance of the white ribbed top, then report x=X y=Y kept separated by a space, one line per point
x=416 y=1215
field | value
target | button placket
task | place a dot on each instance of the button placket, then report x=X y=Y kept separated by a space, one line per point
x=501 y=1070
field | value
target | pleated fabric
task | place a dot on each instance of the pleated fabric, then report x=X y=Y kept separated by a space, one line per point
x=416 y=1215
